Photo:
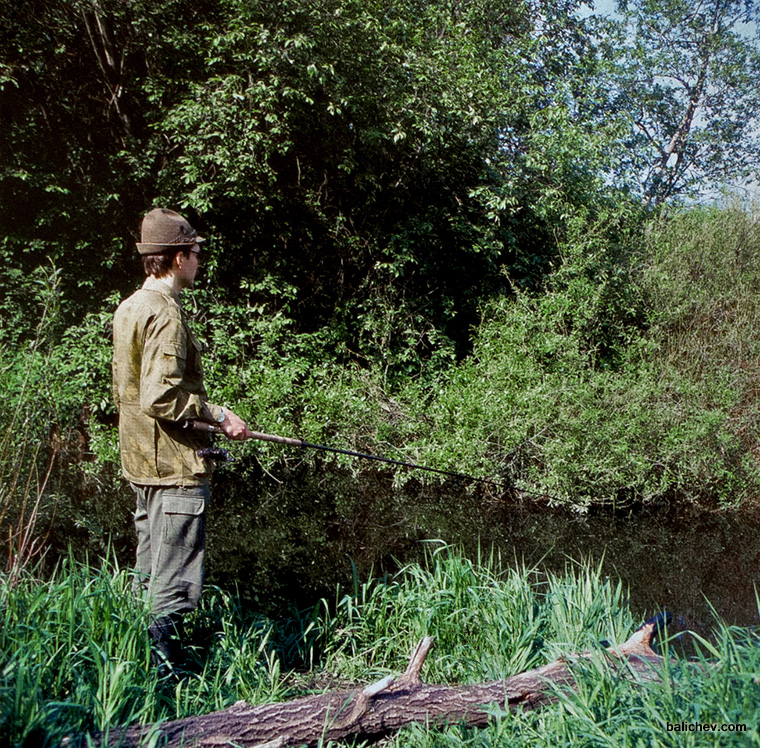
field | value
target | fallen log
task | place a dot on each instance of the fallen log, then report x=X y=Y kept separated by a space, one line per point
x=385 y=706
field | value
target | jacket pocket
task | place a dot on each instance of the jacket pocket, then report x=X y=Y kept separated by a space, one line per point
x=184 y=521
x=177 y=350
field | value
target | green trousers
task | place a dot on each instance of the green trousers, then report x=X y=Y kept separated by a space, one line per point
x=171 y=546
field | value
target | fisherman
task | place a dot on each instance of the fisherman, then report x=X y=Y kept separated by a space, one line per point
x=158 y=386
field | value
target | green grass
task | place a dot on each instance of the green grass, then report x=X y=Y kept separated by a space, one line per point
x=75 y=656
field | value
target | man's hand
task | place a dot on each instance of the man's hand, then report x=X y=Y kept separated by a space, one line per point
x=233 y=426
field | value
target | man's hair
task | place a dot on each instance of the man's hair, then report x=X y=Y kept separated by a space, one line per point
x=160 y=265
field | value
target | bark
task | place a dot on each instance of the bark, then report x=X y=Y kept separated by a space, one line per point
x=110 y=61
x=387 y=705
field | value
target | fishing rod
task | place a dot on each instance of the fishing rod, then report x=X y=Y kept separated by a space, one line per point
x=224 y=455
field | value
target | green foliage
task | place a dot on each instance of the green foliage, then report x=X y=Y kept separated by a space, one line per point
x=488 y=623
x=423 y=243
x=343 y=178
x=31 y=427
x=621 y=382
x=383 y=159
x=687 y=78
x=74 y=655
x=629 y=379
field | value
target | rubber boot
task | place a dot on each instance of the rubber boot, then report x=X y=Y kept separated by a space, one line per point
x=167 y=652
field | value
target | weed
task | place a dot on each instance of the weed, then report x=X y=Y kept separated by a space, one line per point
x=74 y=655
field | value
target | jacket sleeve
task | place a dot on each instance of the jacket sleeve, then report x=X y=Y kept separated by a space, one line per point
x=169 y=389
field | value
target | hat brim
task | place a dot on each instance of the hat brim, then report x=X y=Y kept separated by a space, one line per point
x=159 y=249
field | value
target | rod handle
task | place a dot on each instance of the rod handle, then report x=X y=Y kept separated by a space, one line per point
x=272 y=438
x=203 y=426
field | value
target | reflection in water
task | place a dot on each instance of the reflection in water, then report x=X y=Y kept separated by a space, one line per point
x=291 y=543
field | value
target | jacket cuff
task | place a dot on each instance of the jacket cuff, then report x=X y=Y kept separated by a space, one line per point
x=212 y=413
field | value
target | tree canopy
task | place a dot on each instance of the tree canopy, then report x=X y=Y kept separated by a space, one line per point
x=690 y=81
x=367 y=169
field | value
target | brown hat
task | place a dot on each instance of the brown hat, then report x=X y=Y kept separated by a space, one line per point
x=163 y=230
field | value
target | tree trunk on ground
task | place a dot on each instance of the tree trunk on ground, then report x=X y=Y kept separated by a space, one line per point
x=386 y=706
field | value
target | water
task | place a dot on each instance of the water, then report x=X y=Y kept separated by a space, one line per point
x=289 y=544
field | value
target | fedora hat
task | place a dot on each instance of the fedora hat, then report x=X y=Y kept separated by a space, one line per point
x=163 y=230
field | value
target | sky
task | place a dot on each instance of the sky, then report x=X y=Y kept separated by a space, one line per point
x=603 y=7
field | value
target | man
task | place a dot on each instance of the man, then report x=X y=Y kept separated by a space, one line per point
x=158 y=386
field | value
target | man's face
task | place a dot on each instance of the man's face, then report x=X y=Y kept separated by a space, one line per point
x=187 y=266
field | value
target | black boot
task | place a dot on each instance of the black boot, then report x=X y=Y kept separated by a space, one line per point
x=167 y=652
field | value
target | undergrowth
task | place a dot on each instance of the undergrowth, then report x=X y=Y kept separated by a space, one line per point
x=629 y=379
x=75 y=656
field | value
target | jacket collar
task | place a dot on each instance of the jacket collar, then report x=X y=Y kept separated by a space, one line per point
x=156 y=284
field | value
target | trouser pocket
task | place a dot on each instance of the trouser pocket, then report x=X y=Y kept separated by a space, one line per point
x=184 y=520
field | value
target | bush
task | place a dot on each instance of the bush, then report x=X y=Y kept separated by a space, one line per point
x=623 y=382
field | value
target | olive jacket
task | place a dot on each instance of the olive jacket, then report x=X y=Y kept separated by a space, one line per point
x=157 y=385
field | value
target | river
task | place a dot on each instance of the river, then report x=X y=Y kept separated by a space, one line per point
x=288 y=544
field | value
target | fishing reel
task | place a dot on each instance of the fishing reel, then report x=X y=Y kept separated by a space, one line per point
x=216 y=454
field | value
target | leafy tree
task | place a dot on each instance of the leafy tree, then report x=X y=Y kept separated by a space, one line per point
x=381 y=160
x=386 y=159
x=689 y=80
x=77 y=85
x=336 y=145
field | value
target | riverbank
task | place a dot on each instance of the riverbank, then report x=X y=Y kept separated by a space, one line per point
x=75 y=655
x=628 y=381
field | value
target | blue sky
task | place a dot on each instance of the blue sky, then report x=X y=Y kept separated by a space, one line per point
x=604 y=7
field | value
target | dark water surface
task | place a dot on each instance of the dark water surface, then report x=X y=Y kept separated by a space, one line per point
x=289 y=544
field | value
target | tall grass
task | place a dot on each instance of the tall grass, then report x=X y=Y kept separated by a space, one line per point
x=74 y=655
x=29 y=435
x=490 y=619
